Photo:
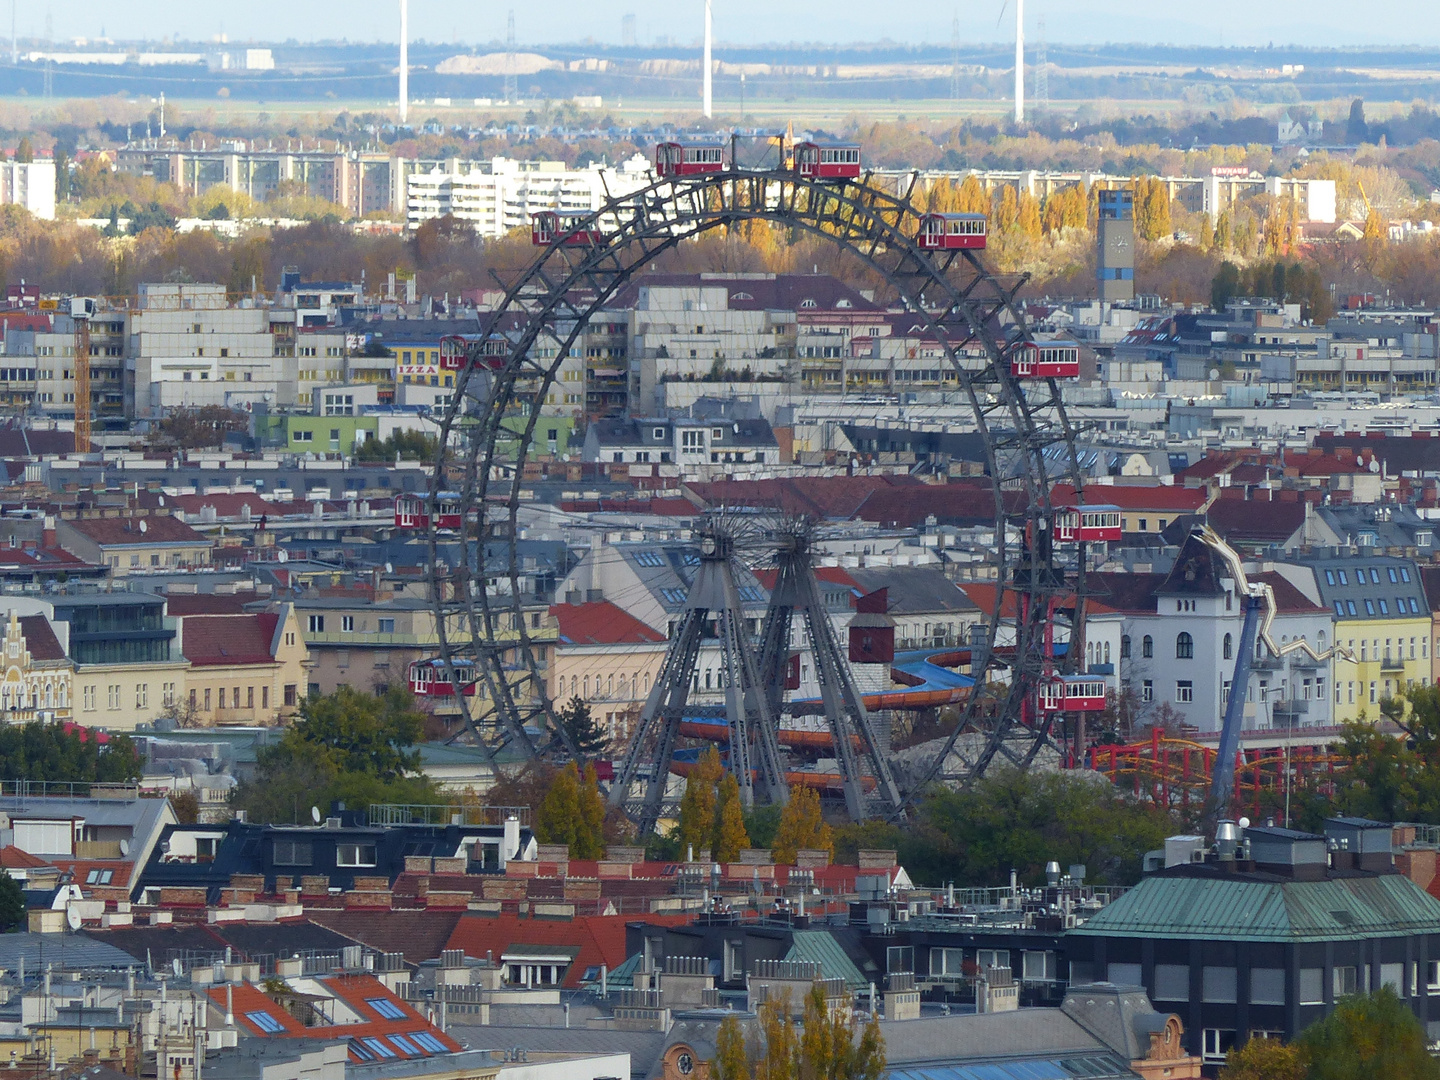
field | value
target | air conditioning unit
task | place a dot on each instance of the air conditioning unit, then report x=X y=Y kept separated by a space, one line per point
x=332 y=823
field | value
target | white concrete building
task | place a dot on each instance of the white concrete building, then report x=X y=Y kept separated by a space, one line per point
x=499 y=195
x=30 y=184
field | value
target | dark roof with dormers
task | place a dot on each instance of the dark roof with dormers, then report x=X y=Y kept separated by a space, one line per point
x=1197 y=571
x=1364 y=580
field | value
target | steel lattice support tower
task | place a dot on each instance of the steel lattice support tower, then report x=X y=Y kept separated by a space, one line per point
x=754 y=748
x=797 y=595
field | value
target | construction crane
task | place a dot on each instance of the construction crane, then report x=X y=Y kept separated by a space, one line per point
x=1259 y=599
x=81 y=308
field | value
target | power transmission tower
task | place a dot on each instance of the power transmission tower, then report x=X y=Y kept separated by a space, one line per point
x=955 y=60
x=1042 y=76
x=510 y=92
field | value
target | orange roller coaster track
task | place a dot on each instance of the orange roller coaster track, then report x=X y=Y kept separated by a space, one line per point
x=1176 y=773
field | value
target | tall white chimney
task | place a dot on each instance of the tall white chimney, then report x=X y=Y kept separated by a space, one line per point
x=404 y=60
x=708 y=103
x=1019 y=61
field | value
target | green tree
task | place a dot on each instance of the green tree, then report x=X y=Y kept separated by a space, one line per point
x=24 y=151
x=1367 y=1036
x=1357 y=130
x=1265 y=1059
x=407 y=445
x=40 y=751
x=1389 y=778
x=186 y=805
x=696 y=825
x=590 y=830
x=558 y=821
x=801 y=826
x=588 y=735
x=1225 y=285
x=729 y=837
x=12 y=903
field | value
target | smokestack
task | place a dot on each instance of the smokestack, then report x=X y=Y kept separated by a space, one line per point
x=1019 y=61
x=404 y=60
x=707 y=103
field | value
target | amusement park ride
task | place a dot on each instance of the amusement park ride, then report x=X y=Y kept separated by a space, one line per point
x=1017 y=691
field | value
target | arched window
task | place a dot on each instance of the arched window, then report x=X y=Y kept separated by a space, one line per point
x=1320 y=641
x=1147 y=646
x=1125 y=647
x=1228 y=647
x=1107 y=652
x=1184 y=646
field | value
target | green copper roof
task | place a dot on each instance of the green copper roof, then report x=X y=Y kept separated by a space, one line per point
x=1340 y=909
x=821 y=946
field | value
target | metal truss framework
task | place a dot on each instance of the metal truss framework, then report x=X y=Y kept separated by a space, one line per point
x=488 y=429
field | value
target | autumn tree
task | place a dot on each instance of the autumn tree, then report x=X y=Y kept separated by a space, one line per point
x=590 y=829
x=802 y=826
x=730 y=837
x=696 y=826
x=1368 y=1035
x=1152 y=207
x=1265 y=1059
x=558 y=821
x=731 y=1061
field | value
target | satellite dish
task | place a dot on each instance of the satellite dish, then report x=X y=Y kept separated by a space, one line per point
x=1244 y=823
x=72 y=917
x=315 y=814
x=144 y=528
x=125 y=848
x=389 y=569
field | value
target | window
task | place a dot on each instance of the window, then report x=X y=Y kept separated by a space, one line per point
x=381 y=1049
x=1394 y=577
x=316 y=624
x=1147 y=647
x=222 y=697
x=1384 y=606
x=290 y=695
x=1419 y=542
x=265 y=1022
x=1432 y=977
x=1340 y=608
x=387 y=626
x=1217 y=984
x=1329 y=577
x=403 y=1044
x=1312 y=986
x=292 y=853
x=1125 y=647
x=1350 y=607
x=1124 y=974
x=264 y=697
x=1374 y=576
x=946 y=962
x=1038 y=966
x=386 y=1008
x=900 y=958
x=1341 y=575
x=355 y=855
x=426 y=1041
x=1369 y=607
x=1216 y=1044
x=1228 y=649
x=1267 y=986
x=347 y=624
x=988 y=958
x=1393 y=976
x=1147 y=690
x=1343 y=981
x=1172 y=982
x=1414 y=606
x=1184 y=690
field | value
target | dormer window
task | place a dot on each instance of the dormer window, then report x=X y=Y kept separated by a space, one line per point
x=807 y=303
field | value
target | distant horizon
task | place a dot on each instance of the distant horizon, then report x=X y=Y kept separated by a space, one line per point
x=1296 y=24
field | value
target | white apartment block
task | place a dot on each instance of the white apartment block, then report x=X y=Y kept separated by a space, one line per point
x=499 y=195
x=30 y=184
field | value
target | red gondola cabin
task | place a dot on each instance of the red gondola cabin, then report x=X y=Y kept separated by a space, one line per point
x=1073 y=693
x=489 y=352
x=827 y=161
x=429 y=678
x=689 y=159
x=572 y=229
x=950 y=232
x=1088 y=524
x=413 y=511
x=1046 y=360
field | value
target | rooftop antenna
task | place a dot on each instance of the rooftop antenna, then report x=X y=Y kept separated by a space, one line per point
x=1019 y=61
x=404 y=60
x=707 y=100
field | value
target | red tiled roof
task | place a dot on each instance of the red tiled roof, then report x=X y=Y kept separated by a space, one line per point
x=1255 y=520
x=12 y=858
x=818 y=496
x=228 y=639
x=601 y=623
x=599 y=938
x=119 y=531
x=29 y=557
x=40 y=638
x=182 y=604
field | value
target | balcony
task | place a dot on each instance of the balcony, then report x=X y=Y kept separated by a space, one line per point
x=1392 y=663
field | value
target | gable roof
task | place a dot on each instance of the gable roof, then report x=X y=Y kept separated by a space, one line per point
x=123 y=531
x=1255 y=520
x=40 y=638
x=229 y=639
x=601 y=623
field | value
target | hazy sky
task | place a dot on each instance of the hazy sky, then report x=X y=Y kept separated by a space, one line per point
x=1228 y=22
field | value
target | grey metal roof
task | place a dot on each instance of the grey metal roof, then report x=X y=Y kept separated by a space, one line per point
x=1354 y=580
x=914 y=589
x=970 y=1037
x=67 y=952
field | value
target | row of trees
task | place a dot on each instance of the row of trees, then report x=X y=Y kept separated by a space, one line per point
x=823 y=1048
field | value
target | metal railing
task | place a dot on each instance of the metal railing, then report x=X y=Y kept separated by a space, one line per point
x=454 y=814
x=67 y=789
